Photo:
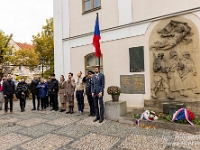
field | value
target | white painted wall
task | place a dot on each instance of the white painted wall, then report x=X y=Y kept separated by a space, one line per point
x=125 y=11
x=58 y=34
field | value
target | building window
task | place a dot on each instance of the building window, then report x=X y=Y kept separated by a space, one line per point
x=91 y=61
x=91 y=5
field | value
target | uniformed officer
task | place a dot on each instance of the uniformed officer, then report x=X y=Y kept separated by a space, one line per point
x=89 y=93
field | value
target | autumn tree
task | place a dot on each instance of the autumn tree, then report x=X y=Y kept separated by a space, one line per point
x=24 y=57
x=4 y=48
x=44 y=46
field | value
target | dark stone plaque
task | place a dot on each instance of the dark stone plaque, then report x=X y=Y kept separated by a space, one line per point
x=132 y=84
x=136 y=59
x=171 y=107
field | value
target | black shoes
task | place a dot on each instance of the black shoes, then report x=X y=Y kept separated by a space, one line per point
x=33 y=109
x=100 y=120
x=96 y=119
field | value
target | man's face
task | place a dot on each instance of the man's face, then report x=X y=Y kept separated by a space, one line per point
x=90 y=75
x=96 y=70
x=9 y=77
x=52 y=77
x=78 y=74
x=69 y=76
x=22 y=80
x=42 y=80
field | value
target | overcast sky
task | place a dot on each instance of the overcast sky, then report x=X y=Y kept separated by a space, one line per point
x=24 y=18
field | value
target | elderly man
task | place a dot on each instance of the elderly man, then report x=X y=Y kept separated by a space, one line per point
x=8 y=92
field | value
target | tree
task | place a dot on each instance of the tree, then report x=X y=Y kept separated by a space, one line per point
x=4 y=49
x=24 y=57
x=4 y=46
x=44 y=45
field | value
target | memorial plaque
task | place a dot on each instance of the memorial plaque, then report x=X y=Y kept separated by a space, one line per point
x=132 y=84
x=171 y=107
x=136 y=59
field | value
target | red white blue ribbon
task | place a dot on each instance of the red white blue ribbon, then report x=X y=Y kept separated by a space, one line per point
x=186 y=115
x=143 y=115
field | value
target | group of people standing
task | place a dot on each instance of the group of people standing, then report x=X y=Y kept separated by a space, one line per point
x=92 y=86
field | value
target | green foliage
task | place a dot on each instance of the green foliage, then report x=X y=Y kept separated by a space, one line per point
x=4 y=46
x=44 y=45
x=25 y=57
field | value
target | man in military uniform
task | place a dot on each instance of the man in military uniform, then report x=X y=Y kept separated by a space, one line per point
x=160 y=77
x=89 y=93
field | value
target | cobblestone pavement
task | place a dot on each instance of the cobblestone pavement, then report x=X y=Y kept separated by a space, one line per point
x=46 y=130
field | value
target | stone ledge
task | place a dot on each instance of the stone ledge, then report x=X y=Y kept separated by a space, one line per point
x=162 y=124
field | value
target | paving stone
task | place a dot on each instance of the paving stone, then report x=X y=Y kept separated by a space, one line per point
x=62 y=121
x=41 y=129
x=89 y=121
x=11 y=140
x=74 y=130
x=95 y=141
x=38 y=130
x=47 y=142
x=186 y=141
x=31 y=122
x=136 y=142
x=8 y=120
x=9 y=128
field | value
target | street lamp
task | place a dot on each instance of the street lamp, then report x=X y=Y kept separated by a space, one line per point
x=42 y=61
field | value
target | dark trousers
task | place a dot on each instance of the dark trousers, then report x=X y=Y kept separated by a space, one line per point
x=99 y=102
x=91 y=104
x=47 y=101
x=38 y=101
x=8 y=97
x=43 y=103
x=54 y=100
x=80 y=100
x=22 y=102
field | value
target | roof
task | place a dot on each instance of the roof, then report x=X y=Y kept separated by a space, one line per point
x=25 y=45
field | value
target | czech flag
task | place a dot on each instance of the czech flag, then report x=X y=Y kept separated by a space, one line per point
x=96 y=38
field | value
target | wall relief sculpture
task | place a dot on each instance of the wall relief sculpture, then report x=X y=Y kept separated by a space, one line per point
x=175 y=54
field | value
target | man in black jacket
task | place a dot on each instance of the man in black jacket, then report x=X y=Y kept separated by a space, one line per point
x=22 y=93
x=53 y=92
x=34 y=92
x=8 y=92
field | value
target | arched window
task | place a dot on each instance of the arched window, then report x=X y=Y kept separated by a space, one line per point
x=91 y=61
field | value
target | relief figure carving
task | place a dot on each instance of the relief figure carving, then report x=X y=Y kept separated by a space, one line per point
x=160 y=77
x=175 y=67
x=188 y=73
x=174 y=33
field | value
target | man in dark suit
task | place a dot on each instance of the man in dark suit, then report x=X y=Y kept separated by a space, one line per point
x=8 y=92
x=98 y=83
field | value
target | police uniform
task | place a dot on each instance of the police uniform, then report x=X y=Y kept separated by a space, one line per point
x=89 y=94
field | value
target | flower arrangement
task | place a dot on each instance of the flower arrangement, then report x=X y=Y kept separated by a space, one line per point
x=147 y=115
x=184 y=114
x=114 y=90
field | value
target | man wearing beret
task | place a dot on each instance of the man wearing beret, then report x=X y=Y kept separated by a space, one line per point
x=97 y=88
x=89 y=93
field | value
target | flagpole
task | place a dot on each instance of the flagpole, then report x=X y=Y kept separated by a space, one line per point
x=99 y=60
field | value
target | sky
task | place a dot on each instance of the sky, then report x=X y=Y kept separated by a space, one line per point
x=24 y=18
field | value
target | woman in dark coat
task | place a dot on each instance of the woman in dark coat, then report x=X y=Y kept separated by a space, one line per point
x=22 y=93
x=43 y=93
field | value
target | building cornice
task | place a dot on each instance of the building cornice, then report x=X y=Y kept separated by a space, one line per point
x=135 y=23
